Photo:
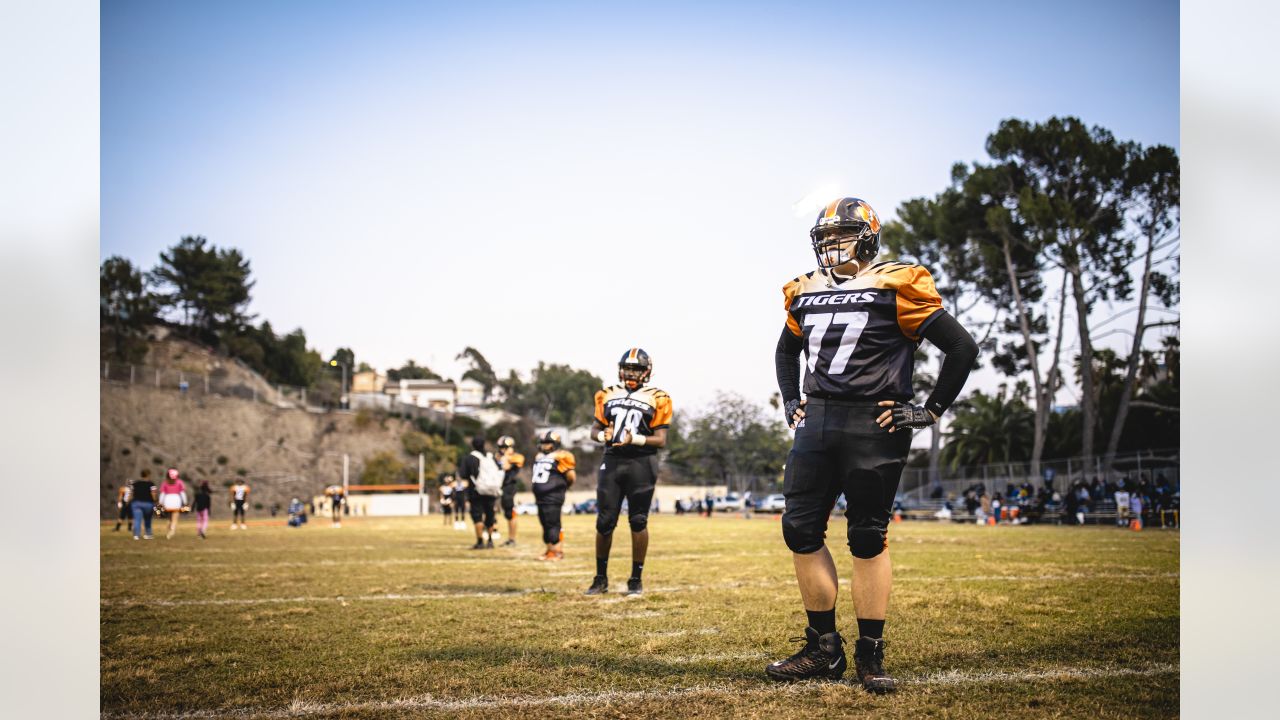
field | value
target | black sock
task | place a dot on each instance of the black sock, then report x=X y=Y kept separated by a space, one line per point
x=636 y=569
x=824 y=621
x=871 y=628
x=602 y=567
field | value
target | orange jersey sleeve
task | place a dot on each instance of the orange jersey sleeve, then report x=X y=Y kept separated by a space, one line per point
x=918 y=299
x=565 y=462
x=662 y=412
x=789 y=292
x=600 y=408
x=515 y=460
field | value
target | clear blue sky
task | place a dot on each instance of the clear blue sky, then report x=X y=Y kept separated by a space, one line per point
x=561 y=183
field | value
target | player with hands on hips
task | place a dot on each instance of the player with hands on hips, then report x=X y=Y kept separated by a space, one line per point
x=857 y=323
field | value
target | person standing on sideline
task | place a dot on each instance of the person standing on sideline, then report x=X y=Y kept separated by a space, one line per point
x=631 y=421
x=553 y=475
x=484 y=477
x=511 y=463
x=239 y=498
x=144 y=493
x=859 y=325
x=204 y=502
x=173 y=498
x=459 y=504
x=336 y=498
x=710 y=503
x=124 y=501
x=446 y=497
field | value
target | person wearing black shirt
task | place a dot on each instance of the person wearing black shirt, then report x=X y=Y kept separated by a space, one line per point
x=144 y=504
x=204 y=501
x=858 y=324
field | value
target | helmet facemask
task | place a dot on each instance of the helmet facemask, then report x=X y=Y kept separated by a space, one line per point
x=634 y=376
x=851 y=241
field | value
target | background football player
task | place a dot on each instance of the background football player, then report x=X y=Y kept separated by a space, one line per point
x=631 y=420
x=510 y=461
x=858 y=324
x=553 y=475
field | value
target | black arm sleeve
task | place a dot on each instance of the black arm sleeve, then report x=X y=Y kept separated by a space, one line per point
x=786 y=363
x=959 y=351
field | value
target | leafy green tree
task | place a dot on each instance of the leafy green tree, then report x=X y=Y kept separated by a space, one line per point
x=1154 y=179
x=125 y=310
x=990 y=429
x=438 y=455
x=732 y=441
x=1070 y=188
x=480 y=371
x=412 y=371
x=555 y=395
x=385 y=468
x=211 y=286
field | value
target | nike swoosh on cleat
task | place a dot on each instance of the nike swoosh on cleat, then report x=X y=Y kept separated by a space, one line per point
x=833 y=665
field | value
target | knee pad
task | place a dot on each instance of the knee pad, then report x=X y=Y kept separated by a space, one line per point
x=606 y=524
x=867 y=542
x=800 y=541
x=638 y=522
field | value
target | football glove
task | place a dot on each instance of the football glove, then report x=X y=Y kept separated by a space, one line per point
x=908 y=416
x=790 y=411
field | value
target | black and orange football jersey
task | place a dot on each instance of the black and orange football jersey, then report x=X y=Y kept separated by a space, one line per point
x=641 y=411
x=549 y=472
x=860 y=335
x=511 y=464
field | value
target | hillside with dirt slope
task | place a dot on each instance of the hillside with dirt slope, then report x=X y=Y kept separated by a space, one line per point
x=282 y=452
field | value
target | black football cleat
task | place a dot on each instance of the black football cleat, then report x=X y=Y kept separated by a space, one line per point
x=478 y=546
x=599 y=586
x=868 y=660
x=821 y=657
x=634 y=587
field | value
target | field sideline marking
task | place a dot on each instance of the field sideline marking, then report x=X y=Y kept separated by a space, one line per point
x=303 y=708
x=672 y=589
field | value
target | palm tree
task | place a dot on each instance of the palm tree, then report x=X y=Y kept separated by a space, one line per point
x=988 y=429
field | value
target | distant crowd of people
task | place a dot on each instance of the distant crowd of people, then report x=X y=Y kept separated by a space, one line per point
x=141 y=499
x=1138 y=498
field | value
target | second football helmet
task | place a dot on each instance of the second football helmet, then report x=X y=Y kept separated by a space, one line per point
x=505 y=442
x=550 y=438
x=635 y=368
x=847 y=229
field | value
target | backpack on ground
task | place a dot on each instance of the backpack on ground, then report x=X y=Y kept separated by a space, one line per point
x=488 y=480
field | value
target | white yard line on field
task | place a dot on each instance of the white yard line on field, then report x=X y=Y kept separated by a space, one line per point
x=303 y=708
x=669 y=589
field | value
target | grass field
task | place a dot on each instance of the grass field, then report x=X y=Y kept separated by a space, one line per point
x=395 y=617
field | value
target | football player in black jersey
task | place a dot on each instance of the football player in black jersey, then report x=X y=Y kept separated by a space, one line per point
x=553 y=475
x=858 y=323
x=631 y=420
x=511 y=462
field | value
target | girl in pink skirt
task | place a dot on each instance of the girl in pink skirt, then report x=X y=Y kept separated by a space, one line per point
x=173 y=499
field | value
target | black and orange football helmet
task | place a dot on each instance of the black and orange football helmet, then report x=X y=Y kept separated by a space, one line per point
x=847 y=229
x=635 y=368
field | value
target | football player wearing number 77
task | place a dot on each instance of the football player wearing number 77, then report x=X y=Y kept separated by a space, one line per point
x=858 y=324
x=631 y=420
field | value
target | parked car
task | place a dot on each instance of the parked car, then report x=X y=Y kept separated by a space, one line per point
x=527 y=508
x=729 y=503
x=775 y=503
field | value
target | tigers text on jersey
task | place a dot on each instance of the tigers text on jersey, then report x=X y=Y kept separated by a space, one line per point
x=860 y=335
x=549 y=471
x=642 y=412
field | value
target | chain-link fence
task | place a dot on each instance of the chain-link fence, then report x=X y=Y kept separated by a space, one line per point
x=1056 y=474
x=218 y=382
